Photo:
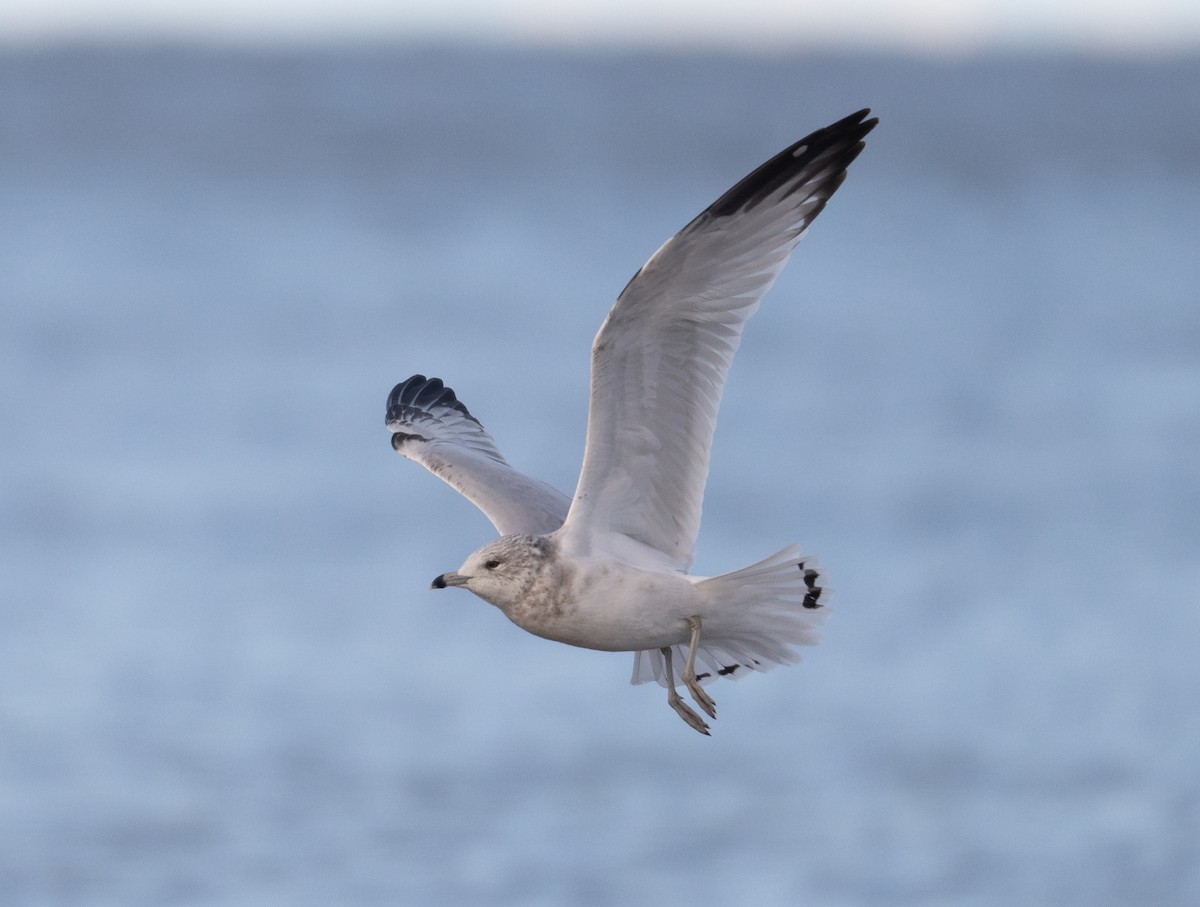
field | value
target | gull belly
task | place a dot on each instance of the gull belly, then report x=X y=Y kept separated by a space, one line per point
x=610 y=606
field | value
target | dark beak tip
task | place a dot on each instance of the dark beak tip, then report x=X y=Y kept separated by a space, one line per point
x=438 y=582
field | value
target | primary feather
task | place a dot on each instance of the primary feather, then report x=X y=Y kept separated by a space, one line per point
x=431 y=427
x=660 y=359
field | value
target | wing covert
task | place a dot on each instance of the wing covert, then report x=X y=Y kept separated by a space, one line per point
x=660 y=359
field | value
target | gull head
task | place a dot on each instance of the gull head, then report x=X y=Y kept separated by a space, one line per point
x=504 y=571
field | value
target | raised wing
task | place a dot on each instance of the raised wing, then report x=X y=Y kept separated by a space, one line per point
x=660 y=359
x=431 y=427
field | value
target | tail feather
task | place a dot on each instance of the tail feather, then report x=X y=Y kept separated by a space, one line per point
x=757 y=614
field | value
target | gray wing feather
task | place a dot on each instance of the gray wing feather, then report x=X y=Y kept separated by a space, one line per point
x=431 y=427
x=660 y=359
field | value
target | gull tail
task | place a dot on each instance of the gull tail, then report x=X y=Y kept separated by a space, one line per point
x=755 y=617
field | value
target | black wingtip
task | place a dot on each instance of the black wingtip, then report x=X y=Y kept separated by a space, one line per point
x=835 y=146
x=421 y=394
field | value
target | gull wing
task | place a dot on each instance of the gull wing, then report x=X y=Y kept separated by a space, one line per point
x=431 y=427
x=660 y=359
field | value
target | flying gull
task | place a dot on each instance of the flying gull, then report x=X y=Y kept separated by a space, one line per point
x=607 y=568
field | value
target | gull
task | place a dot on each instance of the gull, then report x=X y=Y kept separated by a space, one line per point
x=608 y=568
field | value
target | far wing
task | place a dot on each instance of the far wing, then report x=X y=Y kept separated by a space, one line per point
x=431 y=427
x=660 y=359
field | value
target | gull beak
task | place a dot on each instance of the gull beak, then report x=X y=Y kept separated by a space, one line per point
x=449 y=579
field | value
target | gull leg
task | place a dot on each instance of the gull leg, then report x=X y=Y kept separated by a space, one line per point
x=681 y=708
x=689 y=672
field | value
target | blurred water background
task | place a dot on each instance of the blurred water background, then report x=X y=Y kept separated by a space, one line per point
x=974 y=394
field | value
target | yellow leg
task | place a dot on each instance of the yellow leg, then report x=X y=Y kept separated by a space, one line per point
x=681 y=708
x=689 y=673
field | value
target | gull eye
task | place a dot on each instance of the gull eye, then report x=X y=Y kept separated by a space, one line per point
x=492 y=564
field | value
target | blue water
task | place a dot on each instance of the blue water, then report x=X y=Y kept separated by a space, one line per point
x=975 y=395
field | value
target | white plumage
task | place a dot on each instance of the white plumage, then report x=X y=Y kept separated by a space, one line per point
x=606 y=569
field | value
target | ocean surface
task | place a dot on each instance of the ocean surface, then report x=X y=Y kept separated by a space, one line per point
x=974 y=395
